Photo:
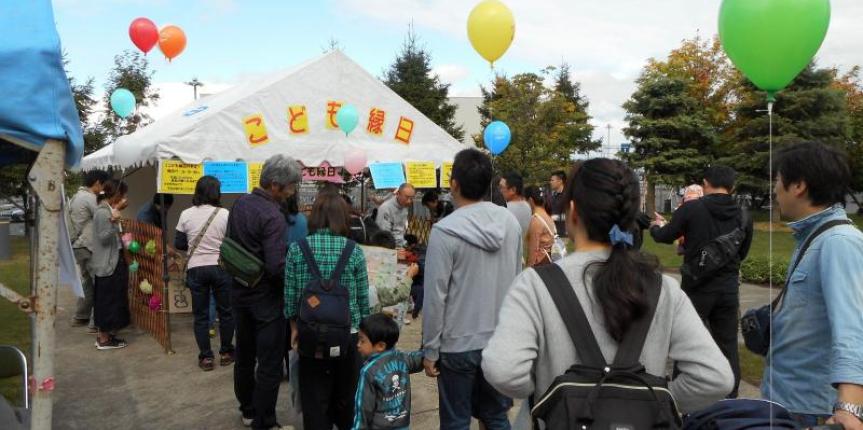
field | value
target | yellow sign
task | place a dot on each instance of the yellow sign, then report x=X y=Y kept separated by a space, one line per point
x=255 y=175
x=377 y=118
x=445 y=174
x=298 y=121
x=405 y=130
x=177 y=177
x=421 y=174
x=332 y=109
x=256 y=130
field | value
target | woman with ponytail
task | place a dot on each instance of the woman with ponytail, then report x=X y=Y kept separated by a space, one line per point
x=531 y=345
x=110 y=296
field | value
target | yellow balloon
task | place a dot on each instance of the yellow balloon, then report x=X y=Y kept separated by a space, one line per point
x=491 y=28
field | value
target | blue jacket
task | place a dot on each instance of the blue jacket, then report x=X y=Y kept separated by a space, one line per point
x=818 y=327
x=383 y=399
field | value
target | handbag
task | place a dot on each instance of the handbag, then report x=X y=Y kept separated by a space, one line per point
x=755 y=324
x=195 y=244
x=558 y=247
x=244 y=267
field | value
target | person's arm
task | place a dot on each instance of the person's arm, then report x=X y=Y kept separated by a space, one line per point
x=508 y=360
x=674 y=229
x=274 y=246
x=365 y=411
x=414 y=359
x=292 y=282
x=362 y=276
x=534 y=252
x=841 y=272
x=705 y=375
x=181 y=240
x=104 y=229
x=438 y=271
x=384 y=219
x=749 y=233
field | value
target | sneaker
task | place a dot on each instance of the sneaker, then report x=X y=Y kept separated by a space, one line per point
x=226 y=358
x=112 y=343
x=407 y=321
x=206 y=364
x=281 y=427
x=247 y=421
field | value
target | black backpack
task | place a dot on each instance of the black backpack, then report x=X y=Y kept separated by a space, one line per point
x=718 y=253
x=324 y=318
x=741 y=414
x=593 y=394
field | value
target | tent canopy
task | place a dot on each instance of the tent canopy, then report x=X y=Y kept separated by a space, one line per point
x=253 y=121
x=36 y=103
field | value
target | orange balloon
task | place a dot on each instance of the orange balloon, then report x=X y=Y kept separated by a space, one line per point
x=172 y=41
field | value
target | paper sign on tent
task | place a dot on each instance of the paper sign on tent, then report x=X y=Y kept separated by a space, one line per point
x=387 y=175
x=177 y=177
x=332 y=109
x=298 y=120
x=233 y=175
x=404 y=130
x=377 y=118
x=256 y=130
x=445 y=174
x=255 y=175
x=421 y=174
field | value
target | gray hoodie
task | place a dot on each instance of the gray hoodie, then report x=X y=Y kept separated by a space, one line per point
x=472 y=258
x=531 y=345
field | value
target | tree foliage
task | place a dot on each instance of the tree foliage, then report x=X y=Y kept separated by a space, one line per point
x=131 y=71
x=410 y=76
x=851 y=85
x=548 y=126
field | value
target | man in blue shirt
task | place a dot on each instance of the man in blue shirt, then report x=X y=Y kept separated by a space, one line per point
x=815 y=364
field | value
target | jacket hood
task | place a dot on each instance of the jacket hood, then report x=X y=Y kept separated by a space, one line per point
x=483 y=225
x=721 y=206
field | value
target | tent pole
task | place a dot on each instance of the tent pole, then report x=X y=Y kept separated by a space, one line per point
x=46 y=179
x=166 y=276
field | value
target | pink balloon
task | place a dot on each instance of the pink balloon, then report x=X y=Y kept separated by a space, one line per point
x=355 y=161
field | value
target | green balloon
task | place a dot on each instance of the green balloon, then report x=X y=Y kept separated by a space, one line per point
x=134 y=247
x=772 y=41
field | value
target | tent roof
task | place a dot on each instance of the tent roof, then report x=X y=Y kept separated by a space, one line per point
x=37 y=102
x=213 y=128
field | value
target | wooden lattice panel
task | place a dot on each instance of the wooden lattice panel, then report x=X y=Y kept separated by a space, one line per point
x=151 y=268
x=421 y=228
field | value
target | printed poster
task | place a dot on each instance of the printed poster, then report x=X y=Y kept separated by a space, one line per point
x=233 y=175
x=421 y=174
x=177 y=177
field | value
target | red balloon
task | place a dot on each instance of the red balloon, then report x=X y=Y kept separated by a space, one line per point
x=144 y=34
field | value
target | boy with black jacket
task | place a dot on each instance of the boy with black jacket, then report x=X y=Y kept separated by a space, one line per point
x=383 y=399
x=716 y=298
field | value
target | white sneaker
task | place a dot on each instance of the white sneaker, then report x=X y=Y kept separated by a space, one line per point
x=407 y=321
x=247 y=421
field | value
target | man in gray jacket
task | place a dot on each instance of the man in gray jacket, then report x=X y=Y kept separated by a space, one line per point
x=393 y=213
x=82 y=206
x=472 y=258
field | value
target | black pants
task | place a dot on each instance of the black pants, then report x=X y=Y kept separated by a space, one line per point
x=327 y=390
x=201 y=281
x=417 y=293
x=720 y=313
x=261 y=341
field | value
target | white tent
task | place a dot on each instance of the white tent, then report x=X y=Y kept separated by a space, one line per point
x=215 y=128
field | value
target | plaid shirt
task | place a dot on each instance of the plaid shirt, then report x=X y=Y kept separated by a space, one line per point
x=327 y=247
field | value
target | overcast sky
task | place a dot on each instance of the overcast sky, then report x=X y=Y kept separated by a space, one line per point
x=606 y=42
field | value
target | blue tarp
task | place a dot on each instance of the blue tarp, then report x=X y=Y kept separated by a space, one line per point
x=36 y=101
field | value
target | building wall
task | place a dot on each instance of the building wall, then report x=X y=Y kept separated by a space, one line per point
x=467 y=116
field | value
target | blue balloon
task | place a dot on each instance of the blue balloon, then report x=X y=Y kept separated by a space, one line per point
x=496 y=137
x=347 y=118
x=123 y=102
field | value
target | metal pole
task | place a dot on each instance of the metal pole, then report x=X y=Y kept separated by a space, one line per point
x=166 y=276
x=46 y=179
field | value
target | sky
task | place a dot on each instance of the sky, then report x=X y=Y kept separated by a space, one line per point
x=606 y=43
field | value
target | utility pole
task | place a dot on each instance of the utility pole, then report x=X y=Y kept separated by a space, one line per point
x=195 y=83
x=607 y=145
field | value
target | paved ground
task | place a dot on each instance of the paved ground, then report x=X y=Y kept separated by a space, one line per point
x=141 y=387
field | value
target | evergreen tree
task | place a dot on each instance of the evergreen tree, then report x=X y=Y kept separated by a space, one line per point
x=131 y=71
x=568 y=89
x=811 y=108
x=547 y=127
x=410 y=76
x=671 y=136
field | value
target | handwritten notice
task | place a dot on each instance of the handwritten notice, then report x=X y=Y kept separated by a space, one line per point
x=177 y=177
x=387 y=175
x=421 y=174
x=233 y=175
x=445 y=174
x=255 y=175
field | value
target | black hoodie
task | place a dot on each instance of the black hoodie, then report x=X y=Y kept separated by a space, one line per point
x=701 y=221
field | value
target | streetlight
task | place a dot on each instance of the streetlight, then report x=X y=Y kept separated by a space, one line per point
x=195 y=83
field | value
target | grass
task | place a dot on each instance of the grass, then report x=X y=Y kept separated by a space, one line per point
x=15 y=274
x=751 y=366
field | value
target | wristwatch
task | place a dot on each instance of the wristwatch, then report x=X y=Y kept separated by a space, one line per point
x=851 y=408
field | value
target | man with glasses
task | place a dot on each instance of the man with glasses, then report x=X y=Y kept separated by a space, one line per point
x=393 y=213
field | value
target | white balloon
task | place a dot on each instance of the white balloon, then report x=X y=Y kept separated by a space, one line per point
x=126 y=153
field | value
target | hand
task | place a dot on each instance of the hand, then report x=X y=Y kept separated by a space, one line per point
x=847 y=420
x=115 y=214
x=402 y=254
x=413 y=270
x=658 y=220
x=431 y=368
x=122 y=204
x=295 y=337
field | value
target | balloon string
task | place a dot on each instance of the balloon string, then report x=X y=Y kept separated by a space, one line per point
x=770 y=237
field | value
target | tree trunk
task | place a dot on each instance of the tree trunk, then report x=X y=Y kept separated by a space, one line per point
x=650 y=197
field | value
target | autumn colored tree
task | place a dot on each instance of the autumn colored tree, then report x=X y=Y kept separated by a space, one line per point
x=851 y=85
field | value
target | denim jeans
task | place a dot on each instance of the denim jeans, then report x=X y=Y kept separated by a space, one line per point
x=463 y=392
x=205 y=282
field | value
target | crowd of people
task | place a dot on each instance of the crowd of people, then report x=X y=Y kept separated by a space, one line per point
x=491 y=328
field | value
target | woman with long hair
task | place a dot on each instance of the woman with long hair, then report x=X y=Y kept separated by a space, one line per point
x=612 y=281
x=327 y=376
x=541 y=231
x=200 y=231
x=110 y=297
